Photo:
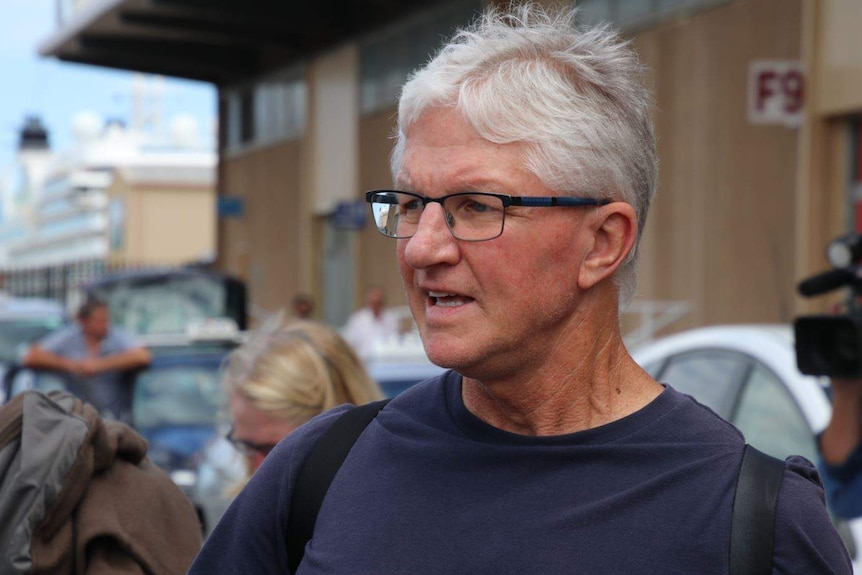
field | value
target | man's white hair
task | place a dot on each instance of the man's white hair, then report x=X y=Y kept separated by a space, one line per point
x=576 y=97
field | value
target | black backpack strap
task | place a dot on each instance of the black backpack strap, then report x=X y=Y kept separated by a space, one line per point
x=317 y=473
x=753 y=519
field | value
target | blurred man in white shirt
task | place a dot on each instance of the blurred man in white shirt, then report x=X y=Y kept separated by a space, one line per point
x=370 y=323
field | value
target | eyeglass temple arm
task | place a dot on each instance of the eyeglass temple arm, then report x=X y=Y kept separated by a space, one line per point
x=556 y=201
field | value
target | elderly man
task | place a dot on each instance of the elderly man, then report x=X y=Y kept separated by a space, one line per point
x=100 y=355
x=524 y=167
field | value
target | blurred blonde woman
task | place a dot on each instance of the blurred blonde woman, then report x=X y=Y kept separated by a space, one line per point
x=285 y=375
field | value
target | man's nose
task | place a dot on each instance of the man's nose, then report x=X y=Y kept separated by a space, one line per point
x=432 y=243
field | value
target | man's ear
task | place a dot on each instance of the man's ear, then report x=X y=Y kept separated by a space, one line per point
x=614 y=230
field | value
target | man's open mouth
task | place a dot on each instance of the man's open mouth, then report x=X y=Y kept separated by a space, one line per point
x=444 y=299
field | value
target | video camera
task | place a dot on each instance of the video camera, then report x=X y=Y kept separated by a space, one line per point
x=832 y=344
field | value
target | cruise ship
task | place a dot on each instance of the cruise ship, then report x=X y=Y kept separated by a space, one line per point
x=67 y=207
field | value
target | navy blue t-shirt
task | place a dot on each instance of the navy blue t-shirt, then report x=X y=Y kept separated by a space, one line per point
x=431 y=489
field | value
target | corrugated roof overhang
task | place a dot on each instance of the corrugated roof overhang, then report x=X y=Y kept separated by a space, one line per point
x=219 y=41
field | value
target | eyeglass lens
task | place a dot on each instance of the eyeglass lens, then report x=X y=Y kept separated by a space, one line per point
x=469 y=216
x=248 y=448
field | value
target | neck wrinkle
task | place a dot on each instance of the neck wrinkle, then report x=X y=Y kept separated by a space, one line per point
x=568 y=391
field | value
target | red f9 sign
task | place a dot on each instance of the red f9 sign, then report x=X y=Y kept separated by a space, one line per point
x=776 y=92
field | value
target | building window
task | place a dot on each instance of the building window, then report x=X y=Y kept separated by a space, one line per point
x=280 y=106
x=595 y=11
x=387 y=58
x=246 y=117
x=238 y=131
x=629 y=15
x=635 y=10
x=272 y=109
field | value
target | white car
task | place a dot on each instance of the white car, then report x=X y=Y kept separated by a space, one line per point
x=22 y=322
x=747 y=374
x=399 y=361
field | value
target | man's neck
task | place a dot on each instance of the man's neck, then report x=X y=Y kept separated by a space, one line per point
x=562 y=405
x=588 y=380
x=93 y=342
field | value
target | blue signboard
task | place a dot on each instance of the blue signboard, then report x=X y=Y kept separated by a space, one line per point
x=231 y=206
x=350 y=215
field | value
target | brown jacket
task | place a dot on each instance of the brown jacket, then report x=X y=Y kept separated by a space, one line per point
x=114 y=512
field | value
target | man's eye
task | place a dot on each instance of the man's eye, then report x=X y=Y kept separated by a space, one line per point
x=476 y=205
x=411 y=205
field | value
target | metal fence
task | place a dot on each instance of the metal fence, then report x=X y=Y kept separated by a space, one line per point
x=64 y=282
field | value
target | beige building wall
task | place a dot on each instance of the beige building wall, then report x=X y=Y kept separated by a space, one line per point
x=289 y=189
x=720 y=234
x=263 y=246
x=163 y=224
x=377 y=262
x=176 y=225
x=332 y=162
x=832 y=52
x=332 y=132
x=838 y=56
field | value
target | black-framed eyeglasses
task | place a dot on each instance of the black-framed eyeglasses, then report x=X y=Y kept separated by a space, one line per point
x=249 y=448
x=471 y=216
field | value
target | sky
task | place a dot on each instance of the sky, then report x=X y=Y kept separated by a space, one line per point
x=57 y=91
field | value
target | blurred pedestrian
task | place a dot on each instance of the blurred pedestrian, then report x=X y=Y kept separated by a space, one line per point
x=840 y=447
x=370 y=323
x=101 y=356
x=302 y=305
x=285 y=375
x=840 y=443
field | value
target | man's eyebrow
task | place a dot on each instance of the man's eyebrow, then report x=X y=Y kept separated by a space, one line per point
x=479 y=185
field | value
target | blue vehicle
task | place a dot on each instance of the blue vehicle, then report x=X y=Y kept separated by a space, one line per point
x=178 y=403
x=23 y=321
x=177 y=400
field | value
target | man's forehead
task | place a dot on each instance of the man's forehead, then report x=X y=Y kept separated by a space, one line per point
x=443 y=128
x=482 y=167
x=98 y=311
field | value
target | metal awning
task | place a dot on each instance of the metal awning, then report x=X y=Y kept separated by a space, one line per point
x=219 y=41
